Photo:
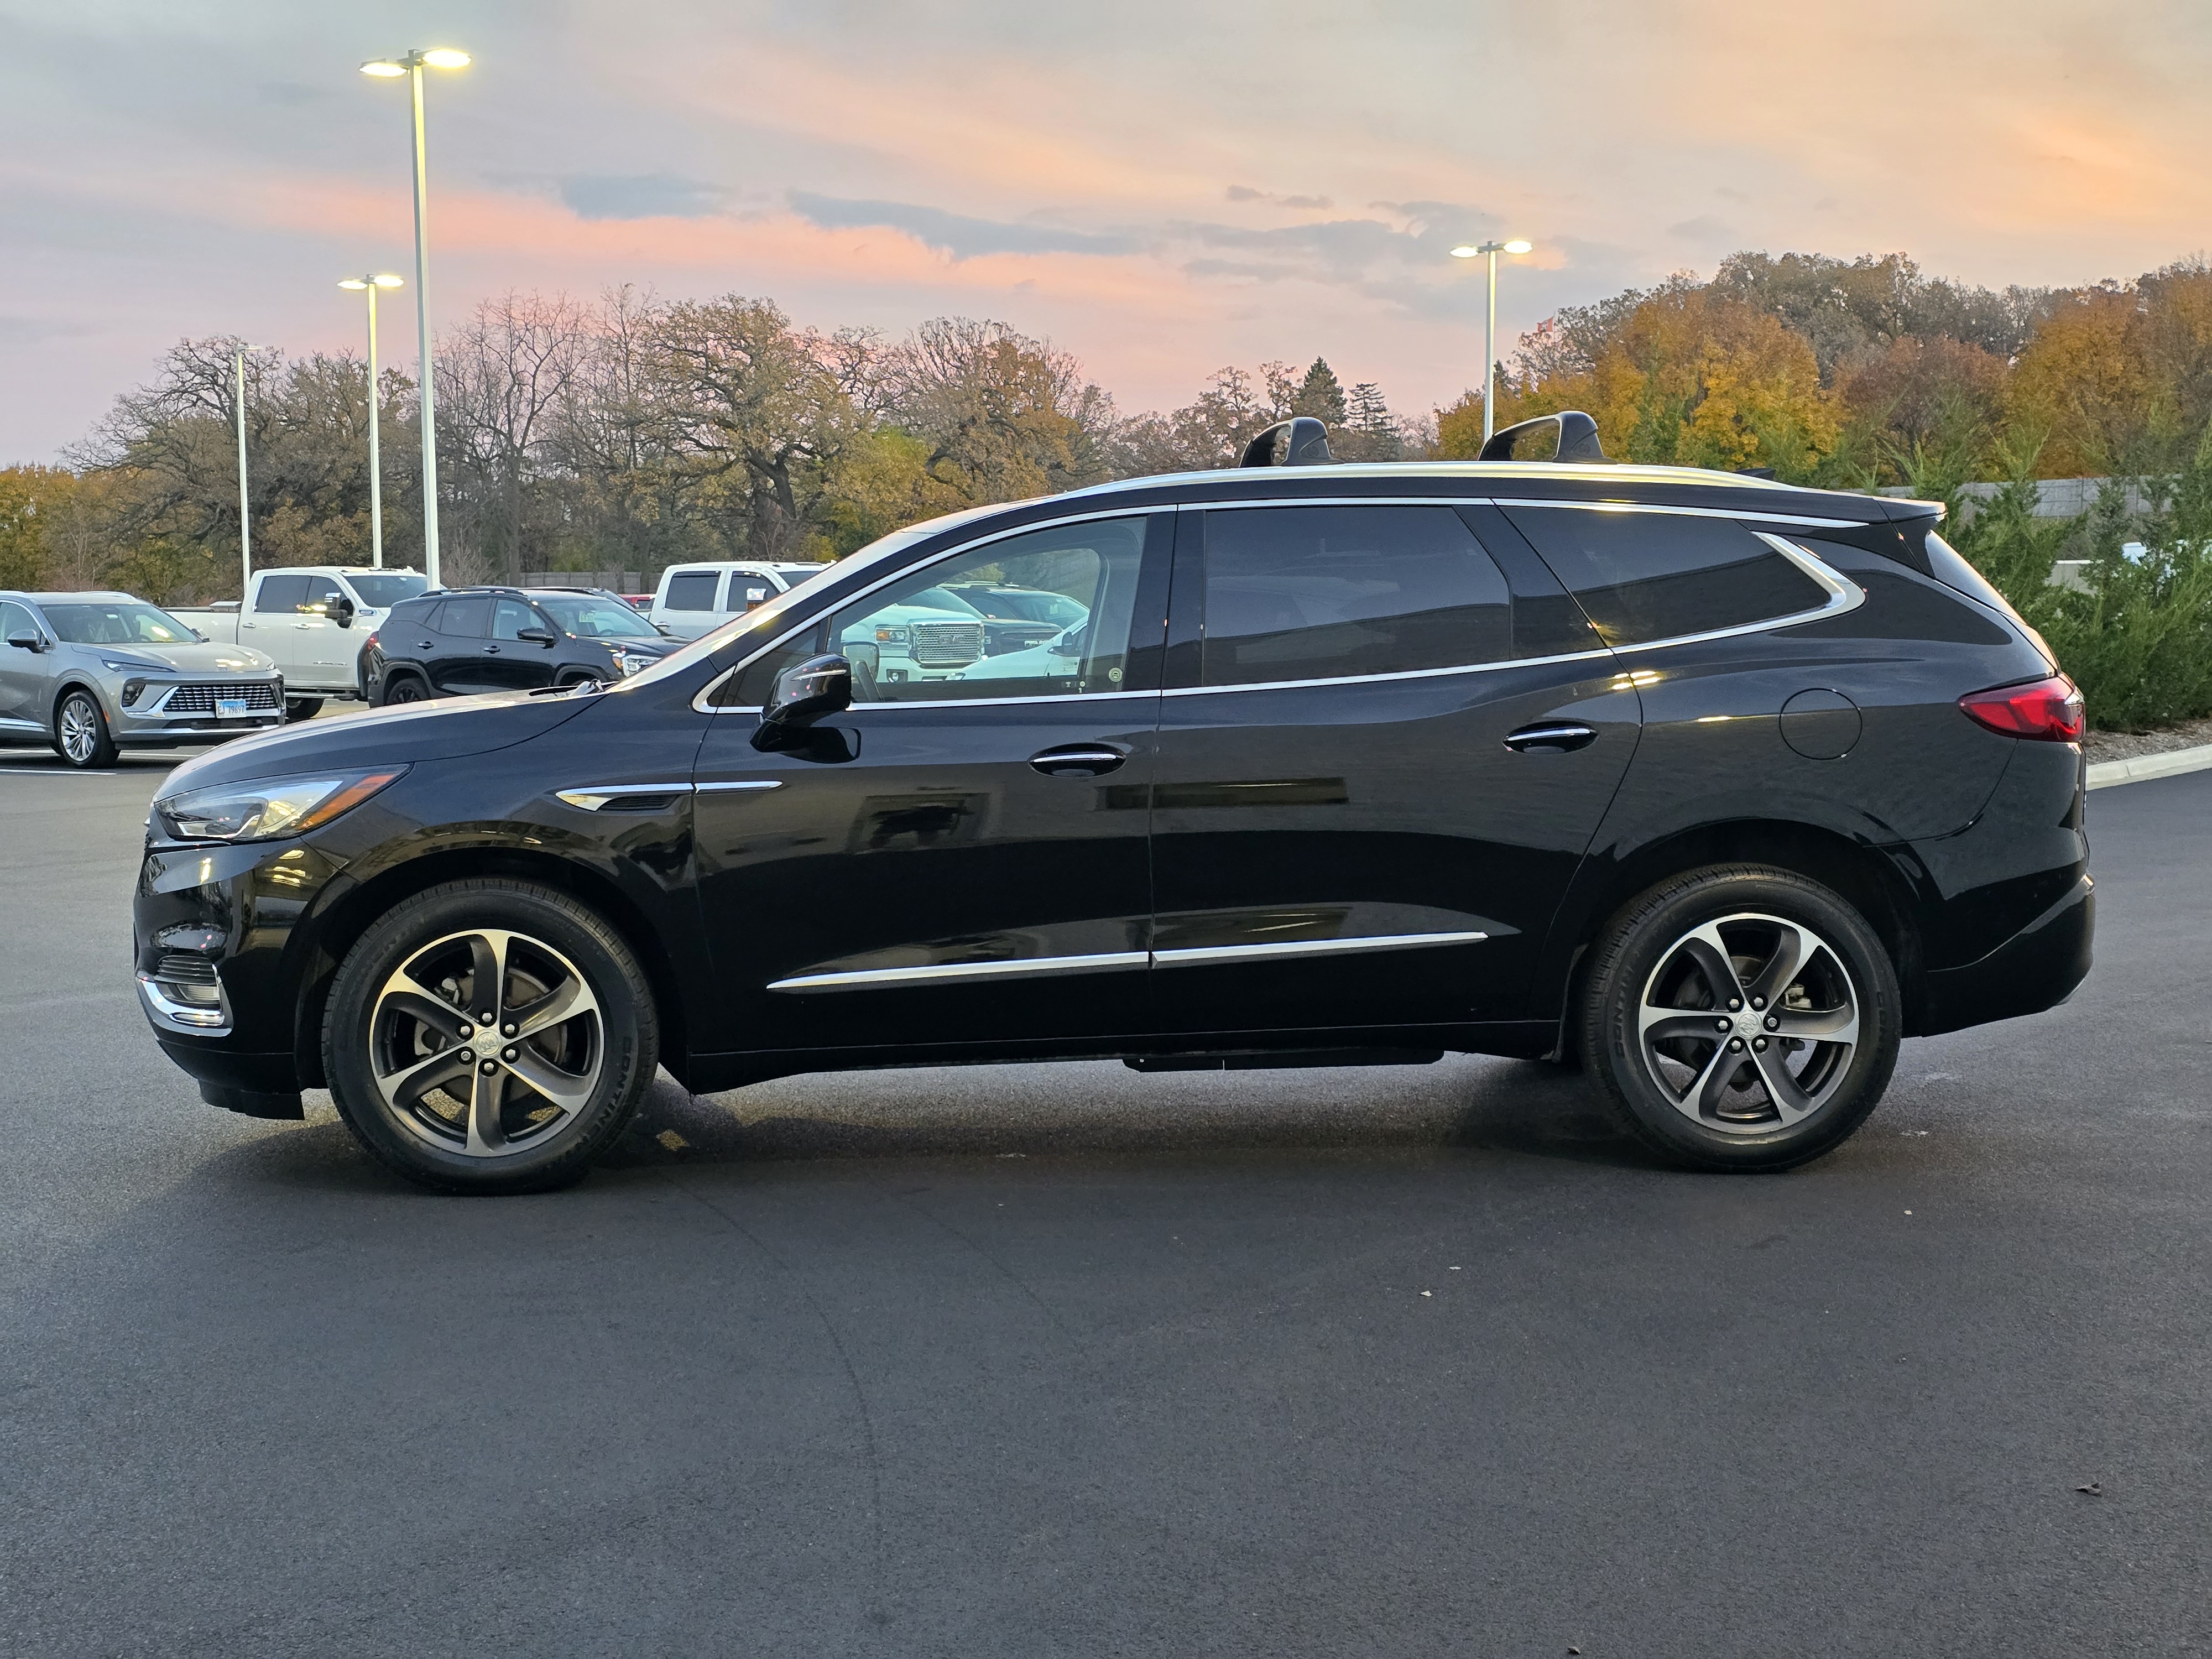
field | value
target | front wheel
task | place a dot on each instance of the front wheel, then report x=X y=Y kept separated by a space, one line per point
x=1740 y=1018
x=80 y=733
x=302 y=708
x=490 y=1037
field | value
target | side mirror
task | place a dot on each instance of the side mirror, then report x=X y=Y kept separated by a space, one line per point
x=27 y=641
x=536 y=635
x=342 y=612
x=803 y=694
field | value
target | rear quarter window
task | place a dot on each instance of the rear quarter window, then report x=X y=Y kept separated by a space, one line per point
x=1649 y=576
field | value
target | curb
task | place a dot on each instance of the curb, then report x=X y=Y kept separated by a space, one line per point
x=2172 y=763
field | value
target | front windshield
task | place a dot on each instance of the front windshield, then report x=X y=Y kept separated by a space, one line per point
x=940 y=599
x=117 y=621
x=590 y=617
x=382 y=592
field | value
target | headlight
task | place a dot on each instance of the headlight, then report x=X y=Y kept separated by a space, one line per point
x=268 y=808
x=630 y=662
x=125 y=665
x=891 y=636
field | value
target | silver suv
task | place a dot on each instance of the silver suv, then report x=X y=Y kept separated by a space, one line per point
x=88 y=672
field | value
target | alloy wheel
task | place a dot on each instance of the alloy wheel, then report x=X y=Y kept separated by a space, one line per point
x=1748 y=1023
x=486 y=1043
x=80 y=730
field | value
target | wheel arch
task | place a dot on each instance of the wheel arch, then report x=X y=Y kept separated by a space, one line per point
x=355 y=911
x=75 y=679
x=1876 y=881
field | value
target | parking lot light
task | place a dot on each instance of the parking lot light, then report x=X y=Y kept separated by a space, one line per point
x=411 y=66
x=369 y=285
x=1491 y=251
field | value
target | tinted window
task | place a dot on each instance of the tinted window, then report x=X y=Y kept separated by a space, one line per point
x=693 y=590
x=593 y=617
x=281 y=593
x=906 y=648
x=511 y=618
x=381 y=592
x=1645 y=576
x=1318 y=593
x=466 y=619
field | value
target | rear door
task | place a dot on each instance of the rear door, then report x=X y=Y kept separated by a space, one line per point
x=950 y=861
x=1380 y=763
x=457 y=664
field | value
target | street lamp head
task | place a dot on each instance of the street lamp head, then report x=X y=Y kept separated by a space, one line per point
x=386 y=279
x=446 y=57
x=383 y=68
x=1466 y=250
x=352 y=283
x=1516 y=246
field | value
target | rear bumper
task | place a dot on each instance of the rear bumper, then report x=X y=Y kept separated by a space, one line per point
x=2038 y=968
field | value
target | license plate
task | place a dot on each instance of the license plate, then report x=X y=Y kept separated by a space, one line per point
x=233 y=708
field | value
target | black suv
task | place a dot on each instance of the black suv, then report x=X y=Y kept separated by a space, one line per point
x=463 y=640
x=1718 y=786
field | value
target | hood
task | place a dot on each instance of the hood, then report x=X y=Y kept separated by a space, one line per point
x=450 y=729
x=195 y=659
x=655 y=645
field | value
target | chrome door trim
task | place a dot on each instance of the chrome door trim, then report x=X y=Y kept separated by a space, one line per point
x=699 y=705
x=1844 y=595
x=1208 y=955
x=1601 y=653
x=872 y=978
x=741 y=783
x=593 y=797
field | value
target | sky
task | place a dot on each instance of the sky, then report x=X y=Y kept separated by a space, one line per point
x=1159 y=186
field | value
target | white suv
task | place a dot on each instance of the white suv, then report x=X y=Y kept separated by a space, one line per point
x=694 y=600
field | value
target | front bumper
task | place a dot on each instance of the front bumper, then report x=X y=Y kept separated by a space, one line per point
x=168 y=711
x=2038 y=968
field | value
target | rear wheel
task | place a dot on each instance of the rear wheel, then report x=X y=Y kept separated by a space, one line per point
x=80 y=733
x=1740 y=1018
x=490 y=1037
x=404 y=687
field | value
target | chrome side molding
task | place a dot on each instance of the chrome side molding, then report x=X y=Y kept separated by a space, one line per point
x=869 y=979
x=599 y=796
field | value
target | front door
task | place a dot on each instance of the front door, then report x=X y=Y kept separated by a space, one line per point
x=1379 y=765
x=22 y=672
x=961 y=856
x=509 y=662
x=272 y=623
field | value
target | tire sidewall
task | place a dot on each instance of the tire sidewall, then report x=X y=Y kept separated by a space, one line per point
x=103 y=748
x=1639 y=937
x=629 y=1030
x=393 y=682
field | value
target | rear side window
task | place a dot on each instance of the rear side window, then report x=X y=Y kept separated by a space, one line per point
x=466 y=619
x=692 y=590
x=1649 y=576
x=1325 y=592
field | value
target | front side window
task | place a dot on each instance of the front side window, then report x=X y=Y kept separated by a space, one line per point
x=511 y=618
x=286 y=594
x=118 y=623
x=14 y=620
x=1649 y=576
x=918 y=640
x=1329 y=593
x=693 y=590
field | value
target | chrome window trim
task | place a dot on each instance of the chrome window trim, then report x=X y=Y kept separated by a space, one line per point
x=699 y=705
x=867 y=978
x=1211 y=954
x=1844 y=595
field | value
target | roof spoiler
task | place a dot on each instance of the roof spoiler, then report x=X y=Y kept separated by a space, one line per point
x=1577 y=437
x=1299 y=441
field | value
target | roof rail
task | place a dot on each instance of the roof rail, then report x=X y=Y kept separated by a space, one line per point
x=1577 y=437
x=1299 y=441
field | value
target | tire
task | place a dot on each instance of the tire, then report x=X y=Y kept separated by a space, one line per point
x=81 y=737
x=548 y=1105
x=302 y=708
x=1673 y=1078
x=403 y=688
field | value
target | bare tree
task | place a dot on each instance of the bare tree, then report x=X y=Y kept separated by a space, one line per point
x=504 y=375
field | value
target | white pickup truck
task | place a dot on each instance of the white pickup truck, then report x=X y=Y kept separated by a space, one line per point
x=311 y=619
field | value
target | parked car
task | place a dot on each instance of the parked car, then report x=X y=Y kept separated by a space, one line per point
x=1016 y=618
x=1721 y=787
x=694 y=600
x=929 y=636
x=310 y=620
x=460 y=641
x=638 y=601
x=93 y=672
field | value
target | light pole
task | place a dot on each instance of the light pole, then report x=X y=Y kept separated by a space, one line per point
x=369 y=284
x=1491 y=251
x=412 y=66
x=244 y=509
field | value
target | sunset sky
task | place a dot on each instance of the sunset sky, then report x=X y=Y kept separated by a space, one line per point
x=1161 y=188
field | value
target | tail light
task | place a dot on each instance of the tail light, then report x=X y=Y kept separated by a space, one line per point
x=2049 y=710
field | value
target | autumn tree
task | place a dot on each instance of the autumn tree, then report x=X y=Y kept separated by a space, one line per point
x=1005 y=416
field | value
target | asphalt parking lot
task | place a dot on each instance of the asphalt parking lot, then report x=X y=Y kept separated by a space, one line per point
x=1033 y=1361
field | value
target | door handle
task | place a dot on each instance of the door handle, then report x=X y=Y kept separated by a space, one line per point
x=491 y=651
x=1552 y=737
x=1077 y=760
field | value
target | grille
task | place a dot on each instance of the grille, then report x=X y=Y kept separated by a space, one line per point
x=184 y=968
x=200 y=699
x=946 y=644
